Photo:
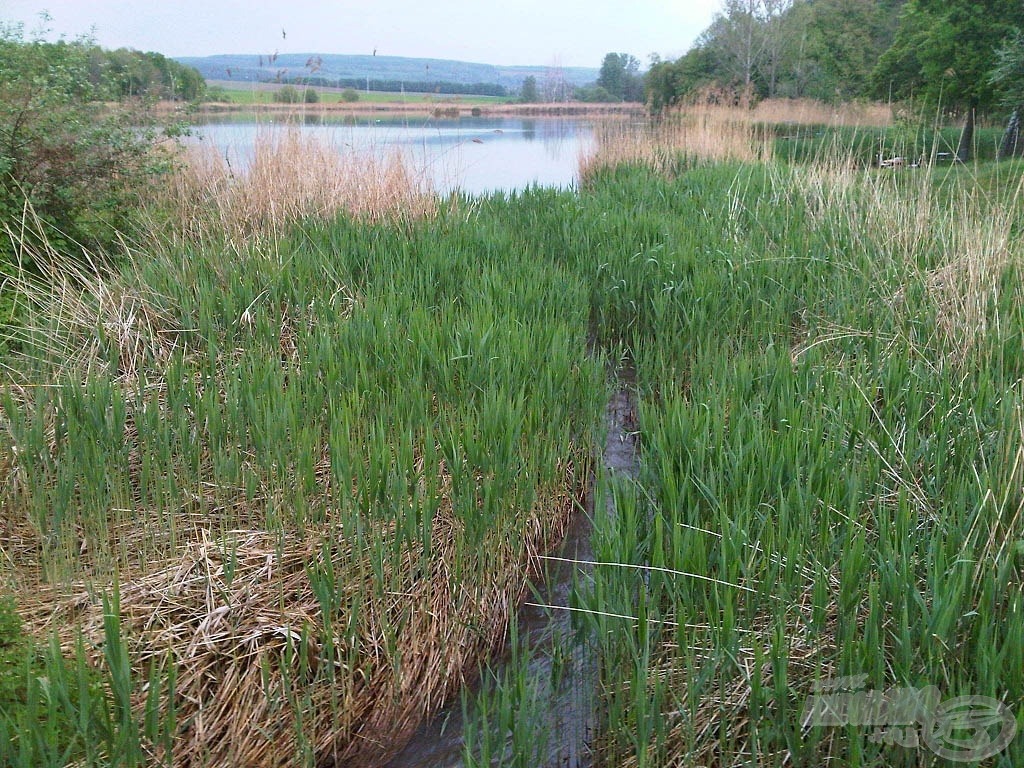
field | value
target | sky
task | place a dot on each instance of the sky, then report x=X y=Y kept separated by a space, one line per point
x=535 y=32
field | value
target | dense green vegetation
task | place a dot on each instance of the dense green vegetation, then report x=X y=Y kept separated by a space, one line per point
x=272 y=487
x=76 y=140
x=818 y=49
x=828 y=364
x=76 y=134
x=934 y=54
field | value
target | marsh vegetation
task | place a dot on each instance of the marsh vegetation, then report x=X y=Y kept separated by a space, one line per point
x=279 y=463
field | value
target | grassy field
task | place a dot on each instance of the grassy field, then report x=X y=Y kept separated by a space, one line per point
x=249 y=96
x=273 y=486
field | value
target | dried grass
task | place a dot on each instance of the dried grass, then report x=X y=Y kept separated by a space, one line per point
x=693 y=134
x=709 y=131
x=288 y=178
x=265 y=670
x=903 y=224
x=810 y=112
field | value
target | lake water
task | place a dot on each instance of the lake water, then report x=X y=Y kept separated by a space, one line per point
x=471 y=154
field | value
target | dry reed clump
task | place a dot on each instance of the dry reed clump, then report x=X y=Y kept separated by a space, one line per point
x=91 y=319
x=286 y=644
x=288 y=178
x=958 y=249
x=687 y=135
x=810 y=112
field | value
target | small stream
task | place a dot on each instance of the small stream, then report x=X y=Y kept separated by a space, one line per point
x=545 y=628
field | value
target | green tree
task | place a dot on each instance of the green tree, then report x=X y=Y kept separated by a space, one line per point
x=529 y=94
x=1008 y=79
x=945 y=52
x=592 y=94
x=130 y=73
x=620 y=77
x=844 y=39
x=667 y=83
x=824 y=49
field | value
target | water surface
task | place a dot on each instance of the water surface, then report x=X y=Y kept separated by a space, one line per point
x=471 y=154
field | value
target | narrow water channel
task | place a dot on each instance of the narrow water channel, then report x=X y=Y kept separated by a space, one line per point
x=546 y=628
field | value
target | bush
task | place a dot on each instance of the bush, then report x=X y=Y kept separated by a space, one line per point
x=349 y=95
x=217 y=93
x=287 y=94
x=594 y=94
x=311 y=96
x=76 y=159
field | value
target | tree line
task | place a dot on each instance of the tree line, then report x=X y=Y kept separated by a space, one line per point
x=965 y=56
x=818 y=49
x=396 y=86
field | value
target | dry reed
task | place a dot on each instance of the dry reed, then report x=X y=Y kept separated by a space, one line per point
x=902 y=224
x=693 y=134
x=264 y=669
x=290 y=177
x=810 y=112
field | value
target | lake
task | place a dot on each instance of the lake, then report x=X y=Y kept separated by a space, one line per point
x=471 y=154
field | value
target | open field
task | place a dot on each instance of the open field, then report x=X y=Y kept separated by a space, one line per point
x=274 y=481
x=263 y=93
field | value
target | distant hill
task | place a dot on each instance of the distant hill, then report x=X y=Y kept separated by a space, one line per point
x=249 y=68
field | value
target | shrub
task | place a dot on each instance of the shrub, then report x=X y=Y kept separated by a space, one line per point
x=217 y=93
x=349 y=95
x=311 y=96
x=77 y=160
x=287 y=94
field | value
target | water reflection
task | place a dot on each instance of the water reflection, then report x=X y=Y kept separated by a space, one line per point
x=475 y=154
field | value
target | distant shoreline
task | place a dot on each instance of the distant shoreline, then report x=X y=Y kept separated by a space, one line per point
x=448 y=108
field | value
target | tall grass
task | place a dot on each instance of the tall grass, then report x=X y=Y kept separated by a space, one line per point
x=314 y=470
x=693 y=134
x=288 y=177
x=791 y=112
x=289 y=495
x=830 y=485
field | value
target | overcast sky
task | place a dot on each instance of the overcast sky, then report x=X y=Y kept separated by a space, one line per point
x=540 y=32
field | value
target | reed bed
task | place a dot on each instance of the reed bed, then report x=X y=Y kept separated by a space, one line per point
x=685 y=136
x=292 y=493
x=289 y=177
x=810 y=112
x=287 y=497
x=718 y=133
x=829 y=364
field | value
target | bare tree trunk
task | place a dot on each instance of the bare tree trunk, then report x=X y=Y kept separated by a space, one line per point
x=1012 y=145
x=963 y=151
